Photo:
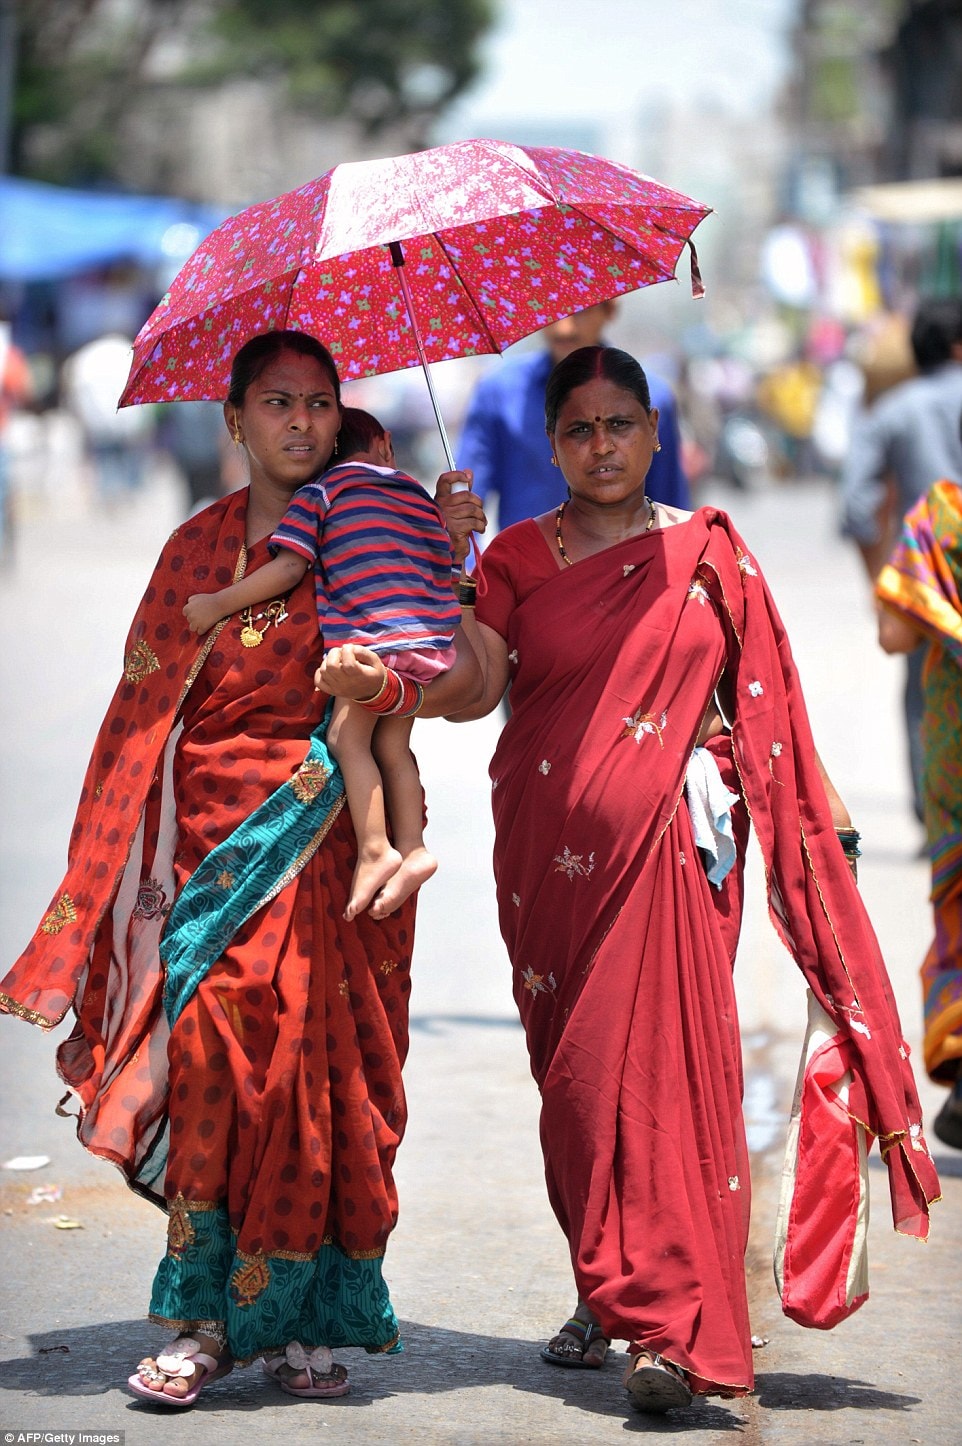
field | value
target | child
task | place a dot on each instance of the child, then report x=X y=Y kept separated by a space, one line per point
x=383 y=578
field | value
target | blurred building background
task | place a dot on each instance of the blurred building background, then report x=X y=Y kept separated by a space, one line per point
x=827 y=136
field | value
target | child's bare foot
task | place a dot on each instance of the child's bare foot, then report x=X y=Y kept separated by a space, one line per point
x=371 y=874
x=416 y=868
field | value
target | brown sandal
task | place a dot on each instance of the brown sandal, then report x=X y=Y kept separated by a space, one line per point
x=656 y=1385
x=574 y=1343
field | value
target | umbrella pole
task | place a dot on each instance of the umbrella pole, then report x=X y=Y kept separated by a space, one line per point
x=397 y=259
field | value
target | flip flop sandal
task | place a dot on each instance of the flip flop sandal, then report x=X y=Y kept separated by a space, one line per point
x=326 y=1377
x=656 y=1385
x=181 y=1358
x=560 y=1352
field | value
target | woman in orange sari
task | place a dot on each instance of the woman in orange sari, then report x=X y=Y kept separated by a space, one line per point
x=630 y=632
x=238 y=1046
x=920 y=592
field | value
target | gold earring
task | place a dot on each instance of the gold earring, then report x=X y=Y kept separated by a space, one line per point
x=237 y=438
x=656 y=446
x=336 y=443
x=554 y=461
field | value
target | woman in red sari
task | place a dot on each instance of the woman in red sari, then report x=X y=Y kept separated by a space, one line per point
x=629 y=632
x=238 y=1047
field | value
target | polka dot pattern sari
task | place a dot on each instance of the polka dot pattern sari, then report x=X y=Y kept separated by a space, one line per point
x=266 y=1118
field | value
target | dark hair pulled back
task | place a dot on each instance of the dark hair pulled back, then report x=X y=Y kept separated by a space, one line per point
x=588 y=364
x=257 y=353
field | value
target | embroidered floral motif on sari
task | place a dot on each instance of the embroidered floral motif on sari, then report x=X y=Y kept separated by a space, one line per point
x=62 y=914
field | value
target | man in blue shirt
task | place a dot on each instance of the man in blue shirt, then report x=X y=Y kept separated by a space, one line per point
x=503 y=440
x=907 y=439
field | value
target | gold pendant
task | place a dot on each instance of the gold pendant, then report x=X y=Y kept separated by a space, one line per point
x=250 y=637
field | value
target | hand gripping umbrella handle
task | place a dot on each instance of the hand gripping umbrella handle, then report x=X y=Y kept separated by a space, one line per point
x=397 y=259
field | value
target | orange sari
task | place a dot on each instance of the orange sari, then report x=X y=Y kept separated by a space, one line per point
x=267 y=1118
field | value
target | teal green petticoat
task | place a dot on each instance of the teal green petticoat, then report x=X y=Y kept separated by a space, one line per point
x=266 y=1301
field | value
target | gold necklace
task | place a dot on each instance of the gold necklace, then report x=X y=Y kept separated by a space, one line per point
x=252 y=636
x=560 y=540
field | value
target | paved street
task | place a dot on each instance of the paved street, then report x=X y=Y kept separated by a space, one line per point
x=478 y=1267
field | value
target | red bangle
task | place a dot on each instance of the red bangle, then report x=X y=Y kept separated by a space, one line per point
x=411 y=700
x=388 y=696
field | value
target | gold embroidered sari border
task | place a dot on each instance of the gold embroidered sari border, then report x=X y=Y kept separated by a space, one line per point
x=10 y=1005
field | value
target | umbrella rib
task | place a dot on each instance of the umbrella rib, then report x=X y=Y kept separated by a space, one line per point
x=495 y=344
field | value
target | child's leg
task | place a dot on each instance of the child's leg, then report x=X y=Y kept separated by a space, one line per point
x=349 y=739
x=405 y=806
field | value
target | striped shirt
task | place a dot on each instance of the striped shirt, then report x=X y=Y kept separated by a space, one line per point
x=381 y=555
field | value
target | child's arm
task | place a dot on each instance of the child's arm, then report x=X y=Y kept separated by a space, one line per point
x=896 y=634
x=276 y=577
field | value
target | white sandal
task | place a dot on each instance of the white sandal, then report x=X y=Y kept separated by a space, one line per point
x=182 y=1358
x=325 y=1376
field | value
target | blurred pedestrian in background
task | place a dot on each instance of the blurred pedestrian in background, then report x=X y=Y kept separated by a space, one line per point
x=503 y=439
x=15 y=391
x=920 y=591
x=195 y=436
x=117 y=441
x=907 y=440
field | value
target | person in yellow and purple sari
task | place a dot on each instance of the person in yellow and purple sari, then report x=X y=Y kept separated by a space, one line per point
x=920 y=589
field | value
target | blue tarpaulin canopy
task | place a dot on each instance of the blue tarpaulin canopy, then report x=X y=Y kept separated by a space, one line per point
x=48 y=232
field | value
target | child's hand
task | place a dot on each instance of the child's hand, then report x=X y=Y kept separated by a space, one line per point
x=202 y=611
x=350 y=672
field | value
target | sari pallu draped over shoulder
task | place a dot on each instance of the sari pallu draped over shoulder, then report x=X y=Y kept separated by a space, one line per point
x=621 y=955
x=161 y=659
x=261 y=1101
x=923 y=581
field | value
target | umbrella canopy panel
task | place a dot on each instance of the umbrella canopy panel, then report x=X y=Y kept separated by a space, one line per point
x=498 y=242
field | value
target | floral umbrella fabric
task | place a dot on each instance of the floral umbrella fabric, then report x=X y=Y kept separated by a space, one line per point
x=498 y=240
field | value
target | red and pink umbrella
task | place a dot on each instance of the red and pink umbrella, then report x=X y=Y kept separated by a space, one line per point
x=449 y=252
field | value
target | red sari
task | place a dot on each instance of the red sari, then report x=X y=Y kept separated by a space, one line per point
x=622 y=951
x=267 y=1119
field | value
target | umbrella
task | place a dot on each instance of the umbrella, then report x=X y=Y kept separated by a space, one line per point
x=449 y=252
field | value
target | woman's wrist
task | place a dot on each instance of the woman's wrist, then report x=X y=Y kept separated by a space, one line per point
x=850 y=838
x=377 y=698
x=397 y=697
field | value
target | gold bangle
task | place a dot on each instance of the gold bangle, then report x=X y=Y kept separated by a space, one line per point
x=365 y=702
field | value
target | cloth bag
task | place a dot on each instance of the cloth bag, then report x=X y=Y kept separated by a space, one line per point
x=821 y=1255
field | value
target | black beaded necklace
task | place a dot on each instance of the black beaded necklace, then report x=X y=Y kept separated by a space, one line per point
x=560 y=540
